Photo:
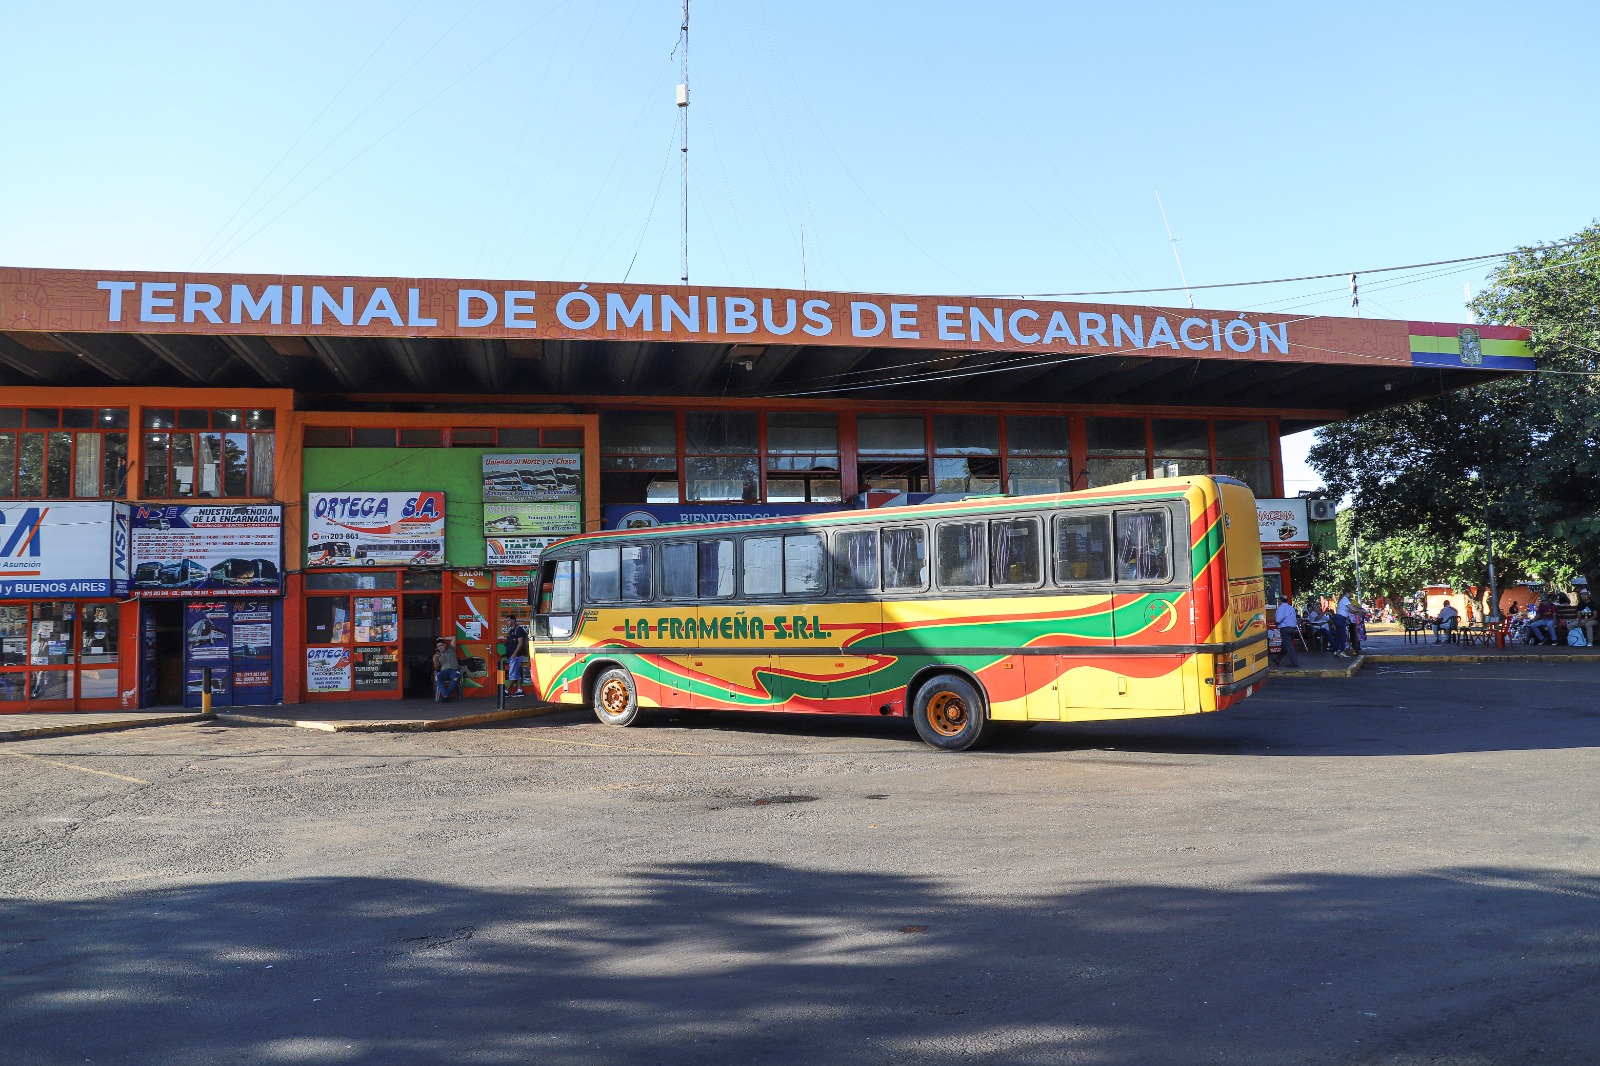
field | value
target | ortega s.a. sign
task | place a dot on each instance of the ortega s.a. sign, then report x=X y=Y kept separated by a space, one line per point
x=375 y=529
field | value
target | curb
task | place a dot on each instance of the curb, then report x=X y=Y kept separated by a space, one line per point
x=1507 y=657
x=68 y=729
x=403 y=725
x=1347 y=670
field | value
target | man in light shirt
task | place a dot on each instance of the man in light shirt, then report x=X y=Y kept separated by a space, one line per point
x=1445 y=623
x=1341 y=627
x=1288 y=623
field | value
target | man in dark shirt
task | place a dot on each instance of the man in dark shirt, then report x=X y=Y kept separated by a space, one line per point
x=516 y=658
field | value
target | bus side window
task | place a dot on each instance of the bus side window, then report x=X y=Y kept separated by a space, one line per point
x=1142 y=546
x=716 y=568
x=636 y=575
x=763 y=566
x=855 y=561
x=605 y=574
x=680 y=576
x=805 y=564
x=1015 y=555
x=905 y=559
x=1083 y=548
x=961 y=555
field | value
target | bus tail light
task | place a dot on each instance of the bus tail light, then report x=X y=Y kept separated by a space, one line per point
x=1224 y=675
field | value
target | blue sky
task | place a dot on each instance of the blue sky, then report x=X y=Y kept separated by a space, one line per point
x=928 y=148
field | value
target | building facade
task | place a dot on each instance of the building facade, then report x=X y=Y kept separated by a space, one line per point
x=289 y=486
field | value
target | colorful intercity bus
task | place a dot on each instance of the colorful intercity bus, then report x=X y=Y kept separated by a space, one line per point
x=1136 y=600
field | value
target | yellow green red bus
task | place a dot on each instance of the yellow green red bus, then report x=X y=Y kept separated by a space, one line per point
x=1136 y=600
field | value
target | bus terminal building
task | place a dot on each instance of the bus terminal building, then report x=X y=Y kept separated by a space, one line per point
x=297 y=483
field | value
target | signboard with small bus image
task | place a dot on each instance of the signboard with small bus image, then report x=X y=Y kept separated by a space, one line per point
x=1283 y=525
x=375 y=528
x=207 y=551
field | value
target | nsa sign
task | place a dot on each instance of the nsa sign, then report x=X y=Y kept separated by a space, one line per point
x=68 y=549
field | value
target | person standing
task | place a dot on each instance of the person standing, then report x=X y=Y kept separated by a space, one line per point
x=1288 y=623
x=1339 y=621
x=517 y=673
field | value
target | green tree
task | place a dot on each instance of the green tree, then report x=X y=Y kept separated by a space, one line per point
x=1526 y=447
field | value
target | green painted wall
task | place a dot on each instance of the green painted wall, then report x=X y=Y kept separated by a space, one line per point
x=456 y=472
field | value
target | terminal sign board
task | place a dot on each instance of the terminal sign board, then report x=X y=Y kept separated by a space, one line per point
x=375 y=529
x=1283 y=525
x=59 y=550
x=208 y=550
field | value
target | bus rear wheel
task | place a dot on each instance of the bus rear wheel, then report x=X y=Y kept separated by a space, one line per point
x=949 y=713
x=616 y=697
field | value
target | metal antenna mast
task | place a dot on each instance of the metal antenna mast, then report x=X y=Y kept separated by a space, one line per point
x=683 y=126
x=1170 y=240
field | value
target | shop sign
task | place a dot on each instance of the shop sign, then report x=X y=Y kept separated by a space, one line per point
x=208 y=550
x=512 y=579
x=374 y=528
x=645 y=516
x=532 y=519
x=517 y=551
x=533 y=476
x=253 y=657
x=63 y=549
x=1283 y=524
x=208 y=640
x=327 y=669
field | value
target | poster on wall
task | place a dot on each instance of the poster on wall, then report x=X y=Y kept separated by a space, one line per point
x=253 y=652
x=1283 y=524
x=375 y=529
x=207 y=645
x=533 y=477
x=327 y=669
x=517 y=551
x=207 y=551
x=50 y=550
x=532 y=519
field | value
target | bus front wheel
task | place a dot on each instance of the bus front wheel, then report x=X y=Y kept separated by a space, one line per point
x=616 y=697
x=949 y=714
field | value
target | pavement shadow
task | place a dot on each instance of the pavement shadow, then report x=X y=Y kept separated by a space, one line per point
x=752 y=962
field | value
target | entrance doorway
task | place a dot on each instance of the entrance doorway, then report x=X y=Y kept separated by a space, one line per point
x=163 y=648
x=420 y=629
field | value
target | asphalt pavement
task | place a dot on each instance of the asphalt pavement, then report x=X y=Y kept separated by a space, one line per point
x=1398 y=868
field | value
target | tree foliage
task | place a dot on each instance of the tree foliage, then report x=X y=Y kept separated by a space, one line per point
x=1524 y=449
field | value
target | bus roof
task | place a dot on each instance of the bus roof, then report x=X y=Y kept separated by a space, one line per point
x=1150 y=489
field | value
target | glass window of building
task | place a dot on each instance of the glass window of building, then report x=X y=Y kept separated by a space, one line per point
x=803 y=457
x=1182 y=447
x=892 y=452
x=1244 y=451
x=52 y=651
x=639 y=457
x=229 y=454
x=88 y=459
x=1038 y=458
x=721 y=457
x=1117 y=450
x=966 y=453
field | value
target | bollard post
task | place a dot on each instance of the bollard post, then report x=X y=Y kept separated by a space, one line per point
x=205 y=691
x=500 y=687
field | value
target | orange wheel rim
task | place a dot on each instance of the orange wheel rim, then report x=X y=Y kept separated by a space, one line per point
x=614 y=696
x=947 y=714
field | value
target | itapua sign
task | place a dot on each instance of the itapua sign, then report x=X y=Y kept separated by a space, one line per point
x=63 y=550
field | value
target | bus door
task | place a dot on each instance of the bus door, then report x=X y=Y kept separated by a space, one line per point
x=1151 y=616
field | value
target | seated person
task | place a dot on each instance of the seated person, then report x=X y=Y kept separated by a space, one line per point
x=1586 y=620
x=446 y=670
x=1542 y=628
x=1447 y=621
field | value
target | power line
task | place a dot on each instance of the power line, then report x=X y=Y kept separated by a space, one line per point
x=1281 y=281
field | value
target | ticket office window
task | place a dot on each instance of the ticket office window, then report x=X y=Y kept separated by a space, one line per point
x=56 y=650
x=360 y=613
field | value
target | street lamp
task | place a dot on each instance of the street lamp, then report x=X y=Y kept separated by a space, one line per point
x=1488 y=539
